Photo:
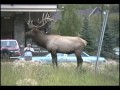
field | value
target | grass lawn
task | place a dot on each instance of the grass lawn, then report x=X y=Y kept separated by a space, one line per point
x=37 y=74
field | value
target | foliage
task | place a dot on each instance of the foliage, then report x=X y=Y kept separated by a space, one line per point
x=107 y=44
x=86 y=33
x=111 y=37
x=114 y=28
x=70 y=22
x=114 y=8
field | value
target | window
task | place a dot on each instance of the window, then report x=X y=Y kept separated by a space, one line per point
x=8 y=43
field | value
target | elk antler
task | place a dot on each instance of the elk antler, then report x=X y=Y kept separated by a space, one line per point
x=30 y=24
x=45 y=19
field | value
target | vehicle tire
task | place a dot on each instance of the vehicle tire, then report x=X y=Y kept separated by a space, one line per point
x=5 y=54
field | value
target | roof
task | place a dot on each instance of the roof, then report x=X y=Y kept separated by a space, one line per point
x=97 y=10
x=29 y=7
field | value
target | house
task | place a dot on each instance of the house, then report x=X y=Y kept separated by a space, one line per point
x=14 y=18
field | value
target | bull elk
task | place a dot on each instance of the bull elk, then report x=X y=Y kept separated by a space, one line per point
x=56 y=43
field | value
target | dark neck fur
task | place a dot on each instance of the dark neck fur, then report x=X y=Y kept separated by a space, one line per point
x=40 y=40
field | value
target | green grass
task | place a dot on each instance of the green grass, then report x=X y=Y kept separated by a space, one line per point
x=26 y=73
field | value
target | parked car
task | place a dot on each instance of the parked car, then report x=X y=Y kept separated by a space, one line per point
x=68 y=58
x=72 y=58
x=10 y=47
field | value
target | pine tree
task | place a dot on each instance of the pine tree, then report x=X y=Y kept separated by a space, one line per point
x=86 y=34
x=107 y=45
x=70 y=23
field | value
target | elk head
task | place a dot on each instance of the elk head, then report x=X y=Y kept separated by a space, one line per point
x=38 y=28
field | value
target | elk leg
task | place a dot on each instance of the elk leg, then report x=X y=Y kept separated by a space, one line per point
x=79 y=59
x=79 y=62
x=54 y=59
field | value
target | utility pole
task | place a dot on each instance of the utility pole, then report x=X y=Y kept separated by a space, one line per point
x=102 y=5
x=105 y=14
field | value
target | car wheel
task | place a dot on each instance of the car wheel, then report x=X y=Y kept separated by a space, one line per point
x=5 y=54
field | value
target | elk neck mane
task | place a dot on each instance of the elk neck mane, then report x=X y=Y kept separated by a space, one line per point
x=40 y=39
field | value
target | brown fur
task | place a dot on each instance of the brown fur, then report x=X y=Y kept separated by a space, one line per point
x=58 y=44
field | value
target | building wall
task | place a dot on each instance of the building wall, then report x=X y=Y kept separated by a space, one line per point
x=6 y=32
x=19 y=29
x=19 y=23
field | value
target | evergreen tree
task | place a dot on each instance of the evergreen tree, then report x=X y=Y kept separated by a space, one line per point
x=114 y=30
x=87 y=35
x=70 y=23
x=107 y=45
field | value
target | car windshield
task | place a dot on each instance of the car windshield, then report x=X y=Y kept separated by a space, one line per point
x=8 y=44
